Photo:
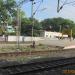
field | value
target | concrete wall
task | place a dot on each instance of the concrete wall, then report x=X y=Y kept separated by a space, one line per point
x=2 y=38
x=22 y=38
x=12 y=38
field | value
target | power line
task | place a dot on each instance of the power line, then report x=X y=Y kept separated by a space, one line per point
x=63 y=4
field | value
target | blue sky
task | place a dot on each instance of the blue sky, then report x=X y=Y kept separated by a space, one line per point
x=67 y=12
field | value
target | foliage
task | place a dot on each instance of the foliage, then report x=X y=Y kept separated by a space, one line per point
x=13 y=33
x=8 y=14
x=54 y=24
x=7 y=9
x=26 y=27
x=1 y=31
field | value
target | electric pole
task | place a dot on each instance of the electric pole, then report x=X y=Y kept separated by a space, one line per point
x=58 y=6
x=32 y=18
x=18 y=27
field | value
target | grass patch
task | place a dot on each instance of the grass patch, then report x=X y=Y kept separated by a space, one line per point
x=13 y=48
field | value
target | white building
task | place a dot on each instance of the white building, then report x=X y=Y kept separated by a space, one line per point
x=49 y=34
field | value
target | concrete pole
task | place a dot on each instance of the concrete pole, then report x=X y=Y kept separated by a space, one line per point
x=60 y=29
x=71 y=34
x=58 y=6
x=32 y=17
x=18 y=27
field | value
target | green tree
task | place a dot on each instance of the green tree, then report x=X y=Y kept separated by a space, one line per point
x=26 y=27
x=7 y=12
x=7 y=9
x=55 y=24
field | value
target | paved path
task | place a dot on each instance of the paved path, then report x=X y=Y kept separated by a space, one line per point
x=52 y=42
x=61 y=43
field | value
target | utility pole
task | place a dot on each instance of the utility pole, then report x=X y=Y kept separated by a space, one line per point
x=18 y=26
x=19 y=22
x=58 y=6
x=71 y=35
x=32 y=18
x=60 y=28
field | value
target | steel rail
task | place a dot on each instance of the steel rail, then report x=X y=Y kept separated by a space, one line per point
x=35 y=67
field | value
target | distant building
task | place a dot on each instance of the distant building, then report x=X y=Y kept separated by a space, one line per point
x=49 y=34
x=10 y=29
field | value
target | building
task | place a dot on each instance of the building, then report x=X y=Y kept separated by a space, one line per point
x=49 y=34
x=10 y=29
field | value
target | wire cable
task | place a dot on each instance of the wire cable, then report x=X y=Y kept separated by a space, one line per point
x=37 y=7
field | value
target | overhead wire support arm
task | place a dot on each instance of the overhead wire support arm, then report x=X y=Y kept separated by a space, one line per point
x=37 y=7
x=19 y=17
x=32 y=17
x=18 y=6
x=60 y=7
x=65 y=3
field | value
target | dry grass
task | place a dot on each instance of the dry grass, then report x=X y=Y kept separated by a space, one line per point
x=13 y=48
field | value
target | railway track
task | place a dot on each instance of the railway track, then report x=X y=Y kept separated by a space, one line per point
x=38 y=67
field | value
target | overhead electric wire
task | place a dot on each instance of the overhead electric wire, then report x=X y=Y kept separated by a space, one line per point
x=37 y=7
x=23 y=1
x=64 y=3
x=71 y=2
